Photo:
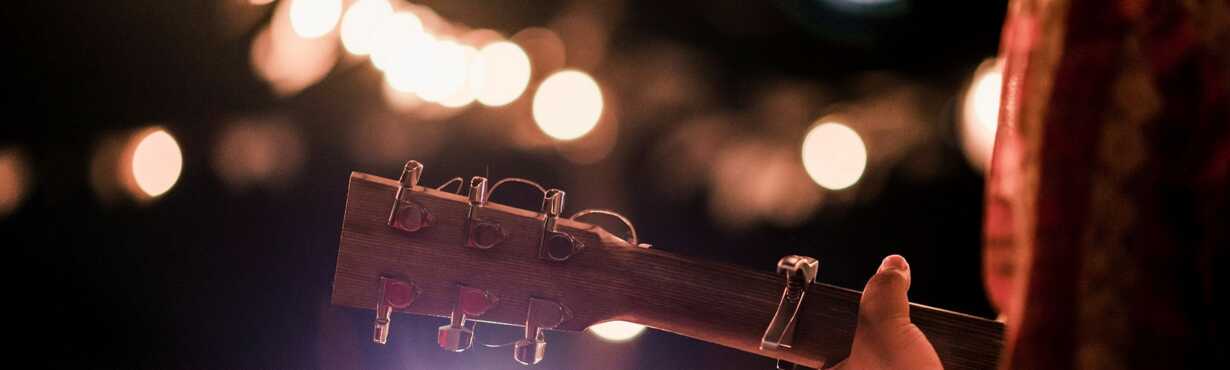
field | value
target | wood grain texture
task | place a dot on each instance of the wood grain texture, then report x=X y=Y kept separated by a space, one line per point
x=609 y=280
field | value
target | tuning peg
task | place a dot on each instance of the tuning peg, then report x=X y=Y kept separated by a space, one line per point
x=394 y=295
x=479 y=233
x=542 y=314
x=407 y=215
x=455 y=336
x=554 y=245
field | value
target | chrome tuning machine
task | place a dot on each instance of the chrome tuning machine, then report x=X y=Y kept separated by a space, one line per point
x=471 y=302
x=394 y=295
x=481 y=234
x=407 y=215
x=542 y=314
x=554 y=245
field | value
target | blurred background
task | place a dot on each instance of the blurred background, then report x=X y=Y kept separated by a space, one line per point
x=173 y=173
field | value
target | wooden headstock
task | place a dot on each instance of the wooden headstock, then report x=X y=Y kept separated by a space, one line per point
x=546 y=271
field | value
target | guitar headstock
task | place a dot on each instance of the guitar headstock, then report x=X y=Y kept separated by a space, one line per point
x=421 y=250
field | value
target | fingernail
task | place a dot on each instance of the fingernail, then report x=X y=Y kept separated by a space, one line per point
x=895 y=262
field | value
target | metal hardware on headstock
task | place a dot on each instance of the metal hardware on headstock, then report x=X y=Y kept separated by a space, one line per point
x=552 y=244
x=800 y=273
x=481 y=230
x=394 y=295
x=542 y=314
x=405 y=214
x=632 y=239
x=472 y=302
x=479 y=233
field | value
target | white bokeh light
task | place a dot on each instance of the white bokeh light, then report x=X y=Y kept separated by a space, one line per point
x=464 y=94
x=314 y=18
x=617 y=331
x=156 y=162
x=360 y=23
x=499 y=73
x=834 y=155
x=398 y=37
x=980 y=113
x=445 y=71
x=567 y=105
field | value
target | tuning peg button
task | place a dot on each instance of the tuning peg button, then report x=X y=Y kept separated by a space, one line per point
x=530 y=352
x=471 y=302
x=411 y=217
x=394 y=295
x=542 y=314
x=407 y=215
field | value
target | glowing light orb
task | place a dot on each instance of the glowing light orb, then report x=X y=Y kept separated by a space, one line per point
x=567 y=105
x=464 y=95
x=156 y=163
x=314 y=18
x=499 y=73
x=360 y=23
x=617 y=331
x=397 y=37
x=834 y=155
x=12 y=180
x=445 y=72
x=980 y=113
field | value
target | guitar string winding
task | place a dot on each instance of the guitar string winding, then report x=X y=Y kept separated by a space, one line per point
x=516 y=180
x=632 y=239
x=459 y=182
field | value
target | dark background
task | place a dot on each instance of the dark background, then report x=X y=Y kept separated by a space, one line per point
x=213 y=277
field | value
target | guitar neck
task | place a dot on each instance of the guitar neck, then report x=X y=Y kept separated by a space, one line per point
x=731 y=306
x=609 y=280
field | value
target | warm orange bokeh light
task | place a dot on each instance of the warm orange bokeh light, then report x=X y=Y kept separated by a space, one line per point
x=464 y=94
x=567 y=105
x=12 y=180
x=980 y=113
x=834 y=155
x=617 y=331
x=445 y=72
x=156 y=162
x=265 y=152
x=359 y=25
x=314 y=18
x=288 y=61
x=499 y=74
x=398 y=39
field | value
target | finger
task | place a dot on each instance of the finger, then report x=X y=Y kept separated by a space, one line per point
x=884 y=299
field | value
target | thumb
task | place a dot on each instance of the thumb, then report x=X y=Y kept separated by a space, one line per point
x=885 y=338
x=884 y=300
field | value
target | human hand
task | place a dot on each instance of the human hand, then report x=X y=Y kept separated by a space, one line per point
x=885 y=338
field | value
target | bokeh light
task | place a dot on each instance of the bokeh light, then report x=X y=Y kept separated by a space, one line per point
x=401 y=101
x=834 y=155
x=399 y=38
x=156 y=162
x=446 y=71
x=258 y=152
x=617 y=331
x=759 y=179
x=545 y=49
x=499 y=74
x=980 y=113
x=359 y=25
x=13 y=180
x=567 y=105
x=288 y=61
x=464 y=94
x=314 y=18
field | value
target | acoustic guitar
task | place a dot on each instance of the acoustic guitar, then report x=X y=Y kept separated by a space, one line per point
x=407 y=248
